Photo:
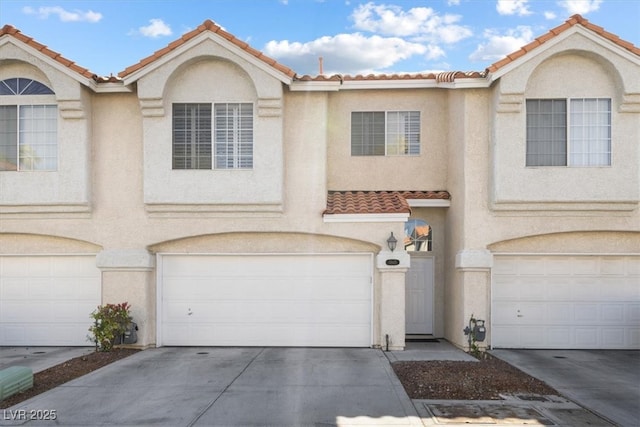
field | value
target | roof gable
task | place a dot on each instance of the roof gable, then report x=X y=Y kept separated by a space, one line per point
x=497 y=68
x=10 y=34
x=210 y=29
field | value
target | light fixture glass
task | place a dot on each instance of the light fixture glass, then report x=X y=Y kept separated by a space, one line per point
x=392 y=242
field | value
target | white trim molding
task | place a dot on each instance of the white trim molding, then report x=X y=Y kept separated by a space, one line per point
x=125 y=259
x=429 y=203
x=395 y=217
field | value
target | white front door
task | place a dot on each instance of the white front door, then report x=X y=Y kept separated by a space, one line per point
x=419 y=296
x=266 y=300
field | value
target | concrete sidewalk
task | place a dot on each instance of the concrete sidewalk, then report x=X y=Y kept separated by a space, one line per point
x=39 y=358
x=605 y=381
x=231 y=386
x=273 y=386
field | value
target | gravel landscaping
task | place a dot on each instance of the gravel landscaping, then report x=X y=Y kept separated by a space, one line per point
x=486 y=379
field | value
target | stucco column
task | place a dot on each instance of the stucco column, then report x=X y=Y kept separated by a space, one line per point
x=474 y=270
x=392 y=298
x=129 y=276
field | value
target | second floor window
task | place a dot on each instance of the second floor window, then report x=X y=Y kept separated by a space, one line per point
x=573 y=132
x=207 y=136
x=28 y=129
x=385 y=133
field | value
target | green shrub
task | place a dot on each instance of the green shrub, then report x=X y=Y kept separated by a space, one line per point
x=109 y=322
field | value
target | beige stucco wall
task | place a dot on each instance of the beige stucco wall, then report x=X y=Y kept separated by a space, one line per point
x=426 y=171
x=134 y=206
x=125 y=234
x=581 y=210
x=67 y=188
x=576 y=67
x=206 y=74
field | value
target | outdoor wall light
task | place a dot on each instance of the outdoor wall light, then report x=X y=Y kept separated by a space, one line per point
x=392 y=242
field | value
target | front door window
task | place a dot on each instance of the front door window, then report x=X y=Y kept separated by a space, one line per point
x=417 y=236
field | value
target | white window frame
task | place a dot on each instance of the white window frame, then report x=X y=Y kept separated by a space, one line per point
x=387 y=130
x=570 y=130
x=31 y=101
x=241 y=157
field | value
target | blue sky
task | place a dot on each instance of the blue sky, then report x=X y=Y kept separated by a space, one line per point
x=352 y=36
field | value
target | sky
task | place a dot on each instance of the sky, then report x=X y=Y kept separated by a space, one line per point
x=353 y=37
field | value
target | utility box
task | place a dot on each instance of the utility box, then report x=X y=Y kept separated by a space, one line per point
x=130 y=336
x=15 y=379
x=479 y=331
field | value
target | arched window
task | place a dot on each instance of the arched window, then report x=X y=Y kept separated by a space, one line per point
x=28 y=126
x=19 y=86
x=417 y=236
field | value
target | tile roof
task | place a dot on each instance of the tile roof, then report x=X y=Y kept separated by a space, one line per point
x=376 y=202
x=574 y=20
x=207 y=25
x=29 y=41
x=447 y=76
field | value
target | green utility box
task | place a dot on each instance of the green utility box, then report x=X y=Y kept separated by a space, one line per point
x=15 y=379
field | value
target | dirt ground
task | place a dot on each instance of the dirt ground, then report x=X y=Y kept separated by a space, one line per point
x=486 y=379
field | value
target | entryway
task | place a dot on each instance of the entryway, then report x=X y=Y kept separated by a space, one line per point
x=419 y=296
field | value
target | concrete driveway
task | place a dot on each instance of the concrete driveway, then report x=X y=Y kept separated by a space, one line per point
x=605 y=381
x=231 y=386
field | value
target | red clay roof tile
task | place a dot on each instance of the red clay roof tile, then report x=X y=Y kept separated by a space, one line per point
x=574 y=20
x=14 y=32
x=376 y=202
x=207 y=25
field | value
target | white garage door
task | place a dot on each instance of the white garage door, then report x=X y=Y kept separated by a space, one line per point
x=47 y=300
x=265 y=300
x=570 y=302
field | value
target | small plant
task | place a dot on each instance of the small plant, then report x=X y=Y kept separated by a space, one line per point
x=109 y=322
x=471 y=331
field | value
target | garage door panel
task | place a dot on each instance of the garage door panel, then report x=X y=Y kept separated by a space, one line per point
x=554 y=314
x=612 y=313
x=260 y=289
x=587 y=337
x=281 y=335
x=613 y=337
x=586 y=302
x=47 y=300
x=280 y=312
x=14 y=288
x=531 y=334
x=292 y=300
x=266 y=266
x=556 y=336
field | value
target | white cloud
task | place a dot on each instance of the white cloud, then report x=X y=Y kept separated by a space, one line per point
x=500 y=45
x=423 y=23
x=347 y=53
x=156 y=28
x=63 y=14
x=550 y=15
x=513 y=7
x=434 y=52
x=453 y=2
x=580 y=6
